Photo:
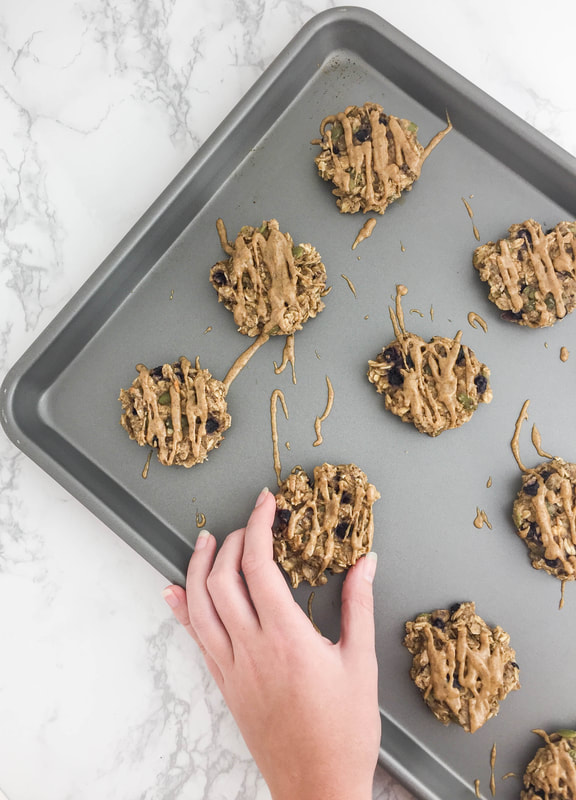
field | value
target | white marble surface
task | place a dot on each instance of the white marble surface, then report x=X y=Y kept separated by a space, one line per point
x=101 y=103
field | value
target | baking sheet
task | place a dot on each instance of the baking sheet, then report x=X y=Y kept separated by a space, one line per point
x=151 y=301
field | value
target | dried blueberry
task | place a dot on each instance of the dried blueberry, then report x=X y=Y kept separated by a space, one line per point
x=545 y=475
x=362 y=135
x=341 y=529
x=335 y=149
x=346 y=497
x=156 y=373
x=553 y=563
x=219 y=278
x=461 y=360
x=454 y=608
x=524 y=234
x=282 y=517
x=533 y=535
x=395 y=377
x=392 y=356
x=511 y=316
x=212 y=425
x=481 y=384
x=438 y=623
x=531 y=489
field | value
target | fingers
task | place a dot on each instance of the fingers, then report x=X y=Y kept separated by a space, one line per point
x=357 y=623
x=269 y=591
x=175 y=596
x=208 y=628
x=228 y=590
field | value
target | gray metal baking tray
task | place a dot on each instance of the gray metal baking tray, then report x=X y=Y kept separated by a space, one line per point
x=151 y=301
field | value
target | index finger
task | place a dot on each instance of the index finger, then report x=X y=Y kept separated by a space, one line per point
x=269 y=591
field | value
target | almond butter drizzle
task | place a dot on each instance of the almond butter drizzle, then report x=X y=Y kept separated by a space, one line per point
x=350 y=285
x=564 y=354
x=480 y=671
x=481 y=519
x=423 y=405
x=492 y=765
x=477 y=787
x=562 y=589
x=208 y=329
x=471 y=215
x=417 y=311
x=514 y=444
x=509 y=775
x=196 y=410
x=310 y=617
x=374 y=153
x=475 y=319
x=277 y=394
x=288 y=356
x=147 y=465
x=489 y=482
x=365 y=231
x=200 y=520
x=545 y=269
x=537 y=442
x=319 y=420
x=243 y=359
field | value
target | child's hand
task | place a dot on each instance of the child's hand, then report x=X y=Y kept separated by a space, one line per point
x=307 y=708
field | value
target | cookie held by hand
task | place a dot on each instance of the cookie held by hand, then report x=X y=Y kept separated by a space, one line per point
x=323 y=524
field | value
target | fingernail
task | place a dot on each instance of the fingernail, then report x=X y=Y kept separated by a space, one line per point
x=262 y=496
x=170 y=597
x=202 y=539
x=370 y=563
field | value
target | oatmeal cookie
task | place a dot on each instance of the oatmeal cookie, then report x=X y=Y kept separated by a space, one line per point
x=436 y=385
x=532 y=273
x=322 y=524
x=270 y=285
x=552 y=772
x=462 y=667
x=370 y=157
x=178 y=409
x=545 y=517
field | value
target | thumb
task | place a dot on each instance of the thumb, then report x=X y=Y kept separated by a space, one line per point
x=357 y=625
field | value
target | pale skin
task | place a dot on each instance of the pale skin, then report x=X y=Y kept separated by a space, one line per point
x=306 y=707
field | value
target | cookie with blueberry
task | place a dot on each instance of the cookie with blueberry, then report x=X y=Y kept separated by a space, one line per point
x=531 y=273
x=370 y=157
x=435 y=385
x=552 y=772
x=178 y=409
x=323 y=523
x=545 y=519
x=462 y=667
x=270 y=285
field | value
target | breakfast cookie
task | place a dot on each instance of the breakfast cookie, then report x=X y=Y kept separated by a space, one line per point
x=324 y=523
x=552 y=772
x=545 y=517
x=178 y=409
x=532 y=273
x=462 y=667
x=436 y=385
x=370 y=157
x=270 y=285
